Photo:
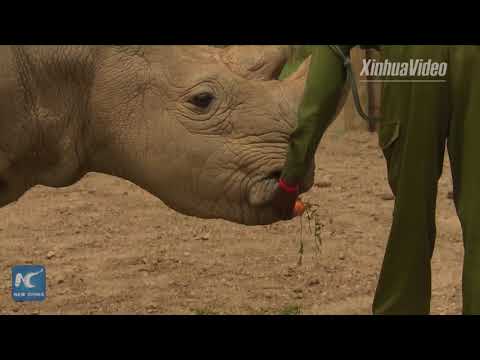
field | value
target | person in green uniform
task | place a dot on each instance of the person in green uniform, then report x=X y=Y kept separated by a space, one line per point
x=420 y=118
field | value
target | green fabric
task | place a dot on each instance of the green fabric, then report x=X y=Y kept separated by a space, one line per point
x=324 y=85
x=418 y=120
x=322 y=91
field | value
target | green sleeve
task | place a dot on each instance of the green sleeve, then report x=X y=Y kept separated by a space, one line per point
x=323 y=89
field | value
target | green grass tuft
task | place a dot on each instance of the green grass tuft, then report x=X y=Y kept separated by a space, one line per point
x=291 y=310
x=204 y=312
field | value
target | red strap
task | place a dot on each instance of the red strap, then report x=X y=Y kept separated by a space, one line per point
x=287 y=188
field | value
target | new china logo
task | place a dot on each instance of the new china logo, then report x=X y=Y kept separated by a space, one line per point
x=28 y=283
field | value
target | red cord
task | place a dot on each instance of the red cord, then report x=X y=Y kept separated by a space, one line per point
x=287 y=188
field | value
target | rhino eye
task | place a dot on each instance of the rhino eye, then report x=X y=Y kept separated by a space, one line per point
x=202 y=100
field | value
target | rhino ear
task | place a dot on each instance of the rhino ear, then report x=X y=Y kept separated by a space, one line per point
x=256 y=62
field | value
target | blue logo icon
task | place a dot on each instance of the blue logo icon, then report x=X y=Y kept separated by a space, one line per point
x=28 y=283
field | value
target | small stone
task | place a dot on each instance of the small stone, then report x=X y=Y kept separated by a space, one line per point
x=298 y=290
x=50 y=254
x=324 y=184
x=125 y=193
x=186 y=254
x=205 y=237
x=313 y=282
x=387 y=197
x=341 y=256
x=60 y=281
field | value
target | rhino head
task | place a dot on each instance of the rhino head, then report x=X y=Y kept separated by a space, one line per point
x=203 y=129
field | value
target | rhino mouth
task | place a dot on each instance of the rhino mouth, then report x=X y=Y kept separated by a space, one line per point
x=261 y=192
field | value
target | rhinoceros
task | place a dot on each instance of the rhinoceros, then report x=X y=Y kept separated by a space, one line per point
x=204 y=129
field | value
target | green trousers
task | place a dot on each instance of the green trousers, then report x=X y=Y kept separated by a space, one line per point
x=419 y=121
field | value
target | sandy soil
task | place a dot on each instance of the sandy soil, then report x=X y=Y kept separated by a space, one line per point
x=111 y=248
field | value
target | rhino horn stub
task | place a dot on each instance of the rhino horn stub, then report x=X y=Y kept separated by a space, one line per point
x=302 y=72
x=255 y=62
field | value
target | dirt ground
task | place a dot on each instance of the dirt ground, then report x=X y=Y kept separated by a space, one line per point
x=111 y=248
